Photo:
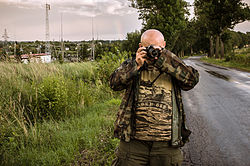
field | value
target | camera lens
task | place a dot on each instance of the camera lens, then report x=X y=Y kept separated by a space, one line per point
x=152 y=52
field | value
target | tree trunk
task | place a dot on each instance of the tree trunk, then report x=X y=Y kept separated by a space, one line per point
x=191 y=50
x=221 y=49
x=183 y=53
x=217 y=46
x=211 y=53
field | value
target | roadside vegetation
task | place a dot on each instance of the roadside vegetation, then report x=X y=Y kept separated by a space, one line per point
x=240 y=60
x=58 y=114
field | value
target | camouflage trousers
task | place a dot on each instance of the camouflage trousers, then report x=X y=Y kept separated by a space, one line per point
x=147 y=153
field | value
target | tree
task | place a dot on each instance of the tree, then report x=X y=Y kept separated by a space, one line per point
x=243 y=39
x=219 y=15
x=166 y=16
x=187 y=39
x=132 y=41
x=18 y=53
x=248 y=38
x=101 y=47
x=84 y=51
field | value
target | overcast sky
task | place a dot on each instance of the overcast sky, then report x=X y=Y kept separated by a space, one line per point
x=113 y=19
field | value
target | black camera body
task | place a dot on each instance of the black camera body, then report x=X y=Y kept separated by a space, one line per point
x=152 y=52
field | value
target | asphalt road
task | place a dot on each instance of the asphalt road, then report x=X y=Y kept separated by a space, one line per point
x=218 y=113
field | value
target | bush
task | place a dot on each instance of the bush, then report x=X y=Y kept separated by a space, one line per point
x=244 y=59
x=31 y=94
x=52 y=98
x=239 y=58
x=43 y=91
x=109 y=63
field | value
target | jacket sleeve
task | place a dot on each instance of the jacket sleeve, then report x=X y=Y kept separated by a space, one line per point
x=124 y=75
x=187 y=77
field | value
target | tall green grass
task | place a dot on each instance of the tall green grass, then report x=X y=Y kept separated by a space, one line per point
x=58 y=114
x=85 y=139
x=230 y=64
x=46 y=90
x=238 y=60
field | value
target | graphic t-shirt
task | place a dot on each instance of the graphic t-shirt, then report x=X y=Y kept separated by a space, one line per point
x=154 y=106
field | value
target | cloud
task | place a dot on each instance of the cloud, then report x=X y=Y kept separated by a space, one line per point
x=26 y=19
x=90 y=8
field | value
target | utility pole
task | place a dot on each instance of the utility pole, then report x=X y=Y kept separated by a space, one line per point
x=38 y=49
x=5 y=37
x=47 y=36
x=93 y=41
x=21 y=48
x=62 y=42
x=15 y=49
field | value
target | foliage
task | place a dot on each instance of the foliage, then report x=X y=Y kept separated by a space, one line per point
x=200 y=37
x=84 y=51
x=102 y=47
x=239 y=60
x=29 y=92
x=132 y=41
x=55 y=114
x=85 y=139
x=240 y=57
x=54 y=99
x=109 y=63
x=220 y=15
x=44 y=90
x=166 y=16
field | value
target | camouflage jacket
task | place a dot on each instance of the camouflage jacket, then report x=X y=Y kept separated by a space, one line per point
x=127 y=77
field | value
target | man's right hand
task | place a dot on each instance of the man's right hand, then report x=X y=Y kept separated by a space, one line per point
x=141 y=57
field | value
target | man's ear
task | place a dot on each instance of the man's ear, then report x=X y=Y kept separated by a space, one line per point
x=164 y=44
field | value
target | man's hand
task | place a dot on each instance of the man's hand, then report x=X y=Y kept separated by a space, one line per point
x=141 y=57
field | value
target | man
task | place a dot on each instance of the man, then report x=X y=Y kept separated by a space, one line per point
x=151 y=121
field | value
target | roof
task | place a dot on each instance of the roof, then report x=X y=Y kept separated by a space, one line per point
x=26 y=56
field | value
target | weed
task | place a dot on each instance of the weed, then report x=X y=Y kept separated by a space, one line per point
x=58 y=114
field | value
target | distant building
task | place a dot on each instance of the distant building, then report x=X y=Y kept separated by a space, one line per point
x=34 y=58
x=43 y=57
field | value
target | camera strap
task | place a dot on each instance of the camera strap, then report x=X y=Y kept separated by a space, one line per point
x=151 y=84
x=144 y=67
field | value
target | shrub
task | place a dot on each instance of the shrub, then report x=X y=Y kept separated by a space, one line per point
x=55 y=91
x=79 y=71
x=238 y=58
x=244 y=59
x=52 y=98
x=109 y=63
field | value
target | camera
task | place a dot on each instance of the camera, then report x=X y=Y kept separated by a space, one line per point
x=152 y=52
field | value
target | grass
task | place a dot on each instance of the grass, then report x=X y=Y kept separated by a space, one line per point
x=239 y=60
x=80 y=132
x=82 y=139
x=230 y=64
x=58 y=114
x=185 y=57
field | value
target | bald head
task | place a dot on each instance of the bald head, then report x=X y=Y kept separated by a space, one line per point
x=152 y=37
